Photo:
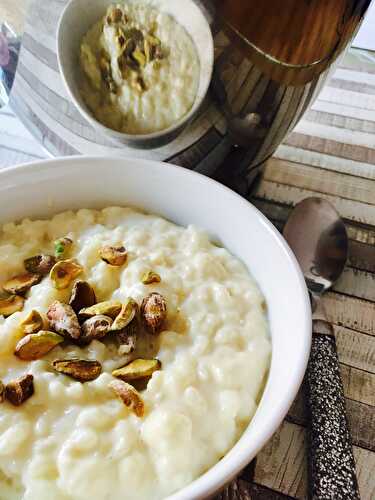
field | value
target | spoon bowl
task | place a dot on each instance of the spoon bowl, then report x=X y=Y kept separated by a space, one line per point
x=317 y=235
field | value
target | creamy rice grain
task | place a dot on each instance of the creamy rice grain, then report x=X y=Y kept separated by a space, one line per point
x=73 y=441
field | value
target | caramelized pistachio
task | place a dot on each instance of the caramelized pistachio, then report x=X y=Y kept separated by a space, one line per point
x=114 y=256
x=64 y=320
x=129 y=396
x=150 y=277
x=79 y=369
x=39 y=264
x=64 y=272
x=62 y=247
x=153 y=312
x=37 y=345
x=109 y=308
x=82 y=296
x=17 y=391
x=32 y=323
x=115 y=15
x=2 y=392
x=140 y=57
x=11 y=304
x=125 y=316
x=127 y=338
x=96 y=327
x=21 y=283
x=137 y=369
x=140 y=84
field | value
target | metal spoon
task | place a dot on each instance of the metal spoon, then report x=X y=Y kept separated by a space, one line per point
x=318 y=238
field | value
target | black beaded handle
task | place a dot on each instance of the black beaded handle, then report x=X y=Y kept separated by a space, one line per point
x=331 y=465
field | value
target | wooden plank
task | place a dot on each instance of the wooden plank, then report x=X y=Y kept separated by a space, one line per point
x=360 y=284
x=358 y=385
x=331 y=147
x=290 y=195
x=347 y=97
x=361 y=419
x=340 y=121
x=355 y=349
x=308 y=177
x=243 y=490
x=325 y=161
x=350 y=312
x=343 y=110
x=282 y=464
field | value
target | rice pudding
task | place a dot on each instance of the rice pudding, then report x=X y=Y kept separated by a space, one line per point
x=140 y=69
x=133 y=355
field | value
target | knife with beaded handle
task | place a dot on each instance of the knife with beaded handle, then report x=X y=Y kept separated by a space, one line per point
x=318 y=238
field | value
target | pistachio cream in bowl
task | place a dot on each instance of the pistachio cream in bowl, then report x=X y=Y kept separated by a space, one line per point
x=138 y=70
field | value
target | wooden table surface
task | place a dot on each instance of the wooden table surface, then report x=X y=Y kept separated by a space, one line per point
x=331 y=153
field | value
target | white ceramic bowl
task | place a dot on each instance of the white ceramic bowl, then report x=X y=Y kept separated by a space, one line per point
x=78 y=17
x=187 y=197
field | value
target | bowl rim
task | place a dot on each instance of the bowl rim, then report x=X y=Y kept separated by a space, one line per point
x=185 y=119
x=217 y=476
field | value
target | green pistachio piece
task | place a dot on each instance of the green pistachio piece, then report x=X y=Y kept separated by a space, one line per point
x=37 y=345
x=137 y=369
x=79 y=369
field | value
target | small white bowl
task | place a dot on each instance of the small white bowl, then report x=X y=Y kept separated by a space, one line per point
x=186 y=197
x=80 y=15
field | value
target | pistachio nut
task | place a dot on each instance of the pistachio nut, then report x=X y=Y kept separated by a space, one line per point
x=114 y=256
x=82 y=296
x=129 y=396
x=150 y=277
x=79 y=369
x=140 y=57
x=140 y=84
x=37 y=345
x=2 y=392
x=137 y=369
x=62 y=247
x=127 y=338
x=115 y=15
x=134 y=34
x=64 y=272
x=11 y=304
x=152 y=40
x=109 y=308
x=96 y=327
x=21 y=283
x=39 y=264
x=125 y=316
x=153 y=312
x=32 y=323
x=17 y=391
x=64 y=320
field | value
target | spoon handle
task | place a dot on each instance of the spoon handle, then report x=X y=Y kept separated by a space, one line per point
x=332 y=465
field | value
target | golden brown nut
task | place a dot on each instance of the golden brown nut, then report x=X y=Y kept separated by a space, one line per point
x=21 y=283
x=114 y=256
x=11 y=304
x=153 y=312
x=137 y=369
x=37 y=345
x=2 y=392
x=39 y=264
x=17 y=391
x=82 y=296
x=150 y=277
x=127 y=338
x=125 y=316
x=109 y=308
x=80 y=369
x=129 y=396
x=115 y=15
x=64 y=320
x=64 y=272
x=62 y=247
x=33 y=322
x=96 y=327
